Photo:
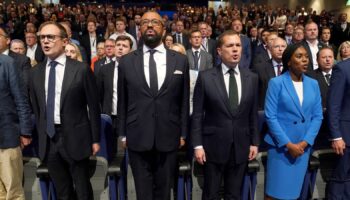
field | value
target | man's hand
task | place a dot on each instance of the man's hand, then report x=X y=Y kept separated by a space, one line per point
x=294 y=150
x=182 y=142
x=199 y=154
x=253 y=152
x=25 y=141
x=339 y=146
x=95 y=148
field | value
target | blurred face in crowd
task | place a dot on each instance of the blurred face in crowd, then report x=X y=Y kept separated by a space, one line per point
x=277 y=49
x=326 y=35
x=71 y=52
x=101 y=49
x=254 y=32
x=179 y=26
x=91 y=27
x=210 y=31
x=4 y=41
x=152 y=29
x=298 y=35
x=264 y=36
x=52 y=42
x=345 y=51
x=270 y=39
x=343 y=17
x=289 y=30
x=122 y=47
x=325 y=59
x=30 y=39
x=109 y=48
x=203 y=28
x=196 y=39
x=137 y=19
x=230 y=50
x=68 y=30
x=18 y=47
x=311 y=32
x=30 y=27
x=120 y=26
x=299 y=61
x=237 y=26
x=169 y=41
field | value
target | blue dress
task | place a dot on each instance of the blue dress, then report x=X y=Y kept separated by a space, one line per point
x=289 y=121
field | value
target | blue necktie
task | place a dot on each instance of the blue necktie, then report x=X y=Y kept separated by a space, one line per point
x=50 y=102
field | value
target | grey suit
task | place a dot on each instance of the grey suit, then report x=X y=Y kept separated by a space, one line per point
x=205 y=60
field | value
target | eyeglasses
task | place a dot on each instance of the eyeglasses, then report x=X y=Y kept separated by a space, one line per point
x=50 y=38
x=154 y=22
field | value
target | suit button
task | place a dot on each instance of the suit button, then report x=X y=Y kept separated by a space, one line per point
x=302 y=121
x=154 y=115
x=294 y=122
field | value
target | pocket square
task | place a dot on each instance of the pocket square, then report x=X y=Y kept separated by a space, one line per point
x=178 y=72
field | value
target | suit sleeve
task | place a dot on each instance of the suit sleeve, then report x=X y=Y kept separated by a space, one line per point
x=26 y=68
x=271 y=110
x=316 y=118
x=122 y=99
x=20 y=96
x=253 y=115
x=91 y=93
x=334 y=102
x=185 y=107
x=100 y=86
x=198 y=110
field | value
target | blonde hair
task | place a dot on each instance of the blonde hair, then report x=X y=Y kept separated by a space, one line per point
x=179 y=48
x=79 y=56
x=339 y=56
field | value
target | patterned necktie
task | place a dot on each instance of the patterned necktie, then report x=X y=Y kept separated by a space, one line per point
x=50 y=102
x=196 y=59
x=179 y=39
x=328 y=78
x=153 y=80
x=279 y=69
x=233 y=90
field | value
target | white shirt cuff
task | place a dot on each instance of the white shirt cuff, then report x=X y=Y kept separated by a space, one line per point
x=335 y=139
x=198 y=147
x=123 y=139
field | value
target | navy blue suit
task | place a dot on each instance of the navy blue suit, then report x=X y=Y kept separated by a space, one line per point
x=15 y=111
x=338 y=108
x=246 y=51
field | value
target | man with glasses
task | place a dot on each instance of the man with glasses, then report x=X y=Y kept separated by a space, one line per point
x=153 y=106
x=34 y=51
x=109 y=47
x=67 y=112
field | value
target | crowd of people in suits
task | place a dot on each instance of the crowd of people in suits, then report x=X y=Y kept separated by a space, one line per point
x=196 y=81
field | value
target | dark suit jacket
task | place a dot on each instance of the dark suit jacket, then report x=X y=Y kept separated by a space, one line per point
x=338 y=102
x=185 y=41
x=338 y=35
x=306 y=45
x=15 y=111
x=39 y=54
x=105 y=79
x=212 y=50
x=98 y=65
x=318 y=75
x=265 y=72
x=215 y=126
x=22 y=63
x=260 y=55
x=150 y=121
x=206 y=61
x=80 y=111
x=85 y=42
x=246 y=52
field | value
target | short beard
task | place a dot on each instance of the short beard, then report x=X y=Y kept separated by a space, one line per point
x=152 y=41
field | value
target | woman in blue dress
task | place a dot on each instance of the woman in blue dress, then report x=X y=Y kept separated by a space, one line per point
x=293 y=113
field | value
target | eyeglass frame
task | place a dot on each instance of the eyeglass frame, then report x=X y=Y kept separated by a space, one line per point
x=154 y=22
x=53 y=39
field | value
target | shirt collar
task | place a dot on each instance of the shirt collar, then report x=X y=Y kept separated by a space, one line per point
x=274 y=63
x=60 y=60
x=310 y=44
x=6 y=52
x=225 y=69
x=194 y=50
x=160 y=48
x=324 y=73
x=33 y=47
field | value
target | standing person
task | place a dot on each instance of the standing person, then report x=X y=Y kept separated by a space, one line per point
x=15 y=129
x=90 y=41
x=237 y=26
x=224 y=128
x=67 y=112
x=153 y=107
x=294 y=120
x=338 y=108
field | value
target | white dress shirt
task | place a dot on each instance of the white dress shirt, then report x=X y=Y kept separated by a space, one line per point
x=93 y=41
x=115 y=87
x=160 y=59
x=298 y=86
x=31 y=51
x=275 y=68
x=314 y=49
x=61 y=60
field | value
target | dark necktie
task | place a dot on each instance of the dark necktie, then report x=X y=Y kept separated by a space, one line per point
x=196 y=59
x=328 y=78
x=279 y=69
x=179 y=39
x=50 y=102
x=153 y=80
x=233 y=90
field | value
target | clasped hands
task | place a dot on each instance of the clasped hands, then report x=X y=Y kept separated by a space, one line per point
x=296 y=150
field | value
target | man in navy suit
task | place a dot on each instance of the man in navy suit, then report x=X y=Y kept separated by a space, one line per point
x=224 y=129
x=338 y=108
x=153 y=109
x=246 y=46
x=15 y=128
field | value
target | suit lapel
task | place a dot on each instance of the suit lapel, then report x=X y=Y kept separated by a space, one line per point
x=69 y=74
x=288 y=83
x=170 y=68
x=139 y=69
x=41 y=82
x=244 y=90
x=190 y=59
x=111 y=76
x=202 y=61
x=270 y=70
x=218 y=79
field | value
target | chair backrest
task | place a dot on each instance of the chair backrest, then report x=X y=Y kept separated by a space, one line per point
x=106 y=141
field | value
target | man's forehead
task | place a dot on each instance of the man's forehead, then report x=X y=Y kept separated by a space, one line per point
x=151 y=15
x=49 y=29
